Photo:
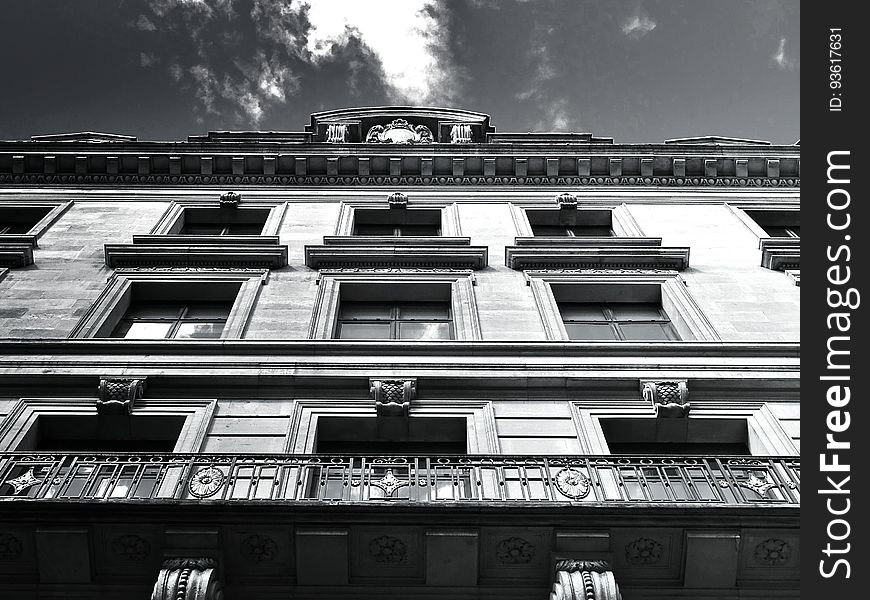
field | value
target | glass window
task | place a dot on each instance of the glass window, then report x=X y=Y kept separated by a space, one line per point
x=366 y=229
x=20 y=220
x=221 y=229
x=395 y=320
x=572 y=230
x=178 y=320
x=591 y=321
x=793 y=231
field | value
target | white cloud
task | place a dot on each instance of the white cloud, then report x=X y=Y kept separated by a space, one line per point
x=638 y=26
x=143 y=23
x=404 y=35
x=780 y=58
x=147 y=59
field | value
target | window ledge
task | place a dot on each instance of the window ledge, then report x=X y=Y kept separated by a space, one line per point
x=396 y=252
x=172 y=251
x=589 y=242
x=15 y=255
x=28 y=239
x=391 y=240
x=779 y=254
x=587 y=254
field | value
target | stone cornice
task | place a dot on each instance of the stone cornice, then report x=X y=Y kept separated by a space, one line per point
x=379 y=251
x=198 y=251
x=364 y=165
x=15 y=255
x=590 y=253
x=780 y=254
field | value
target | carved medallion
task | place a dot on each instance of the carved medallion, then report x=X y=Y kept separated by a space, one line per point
x=514 y=551
x=259 y=548
x=572 y=483
x=131 y=547
x=22 y=482
x=206 y=482
x=11 y=547
x=643 y=551
x=399 y=132
x=387 y=549
x=773 y=552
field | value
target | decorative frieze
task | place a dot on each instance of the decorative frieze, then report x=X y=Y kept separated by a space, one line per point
x=188 y=579
x=392 y=396
x=584 y=580
x=399 y=131
x=669 y=399
x=117 y=396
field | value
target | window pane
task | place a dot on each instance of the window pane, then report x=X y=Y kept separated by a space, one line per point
x=154 y=310
x=550 y=230
x=199 y=330
x=579 y=311
x=646 y=331
x=419 y=230
x=244 y=229
x=424 y=331
x=147 y=331
x=13 y=228
x=424 y=310
x=208 y=310
x=373 y=229
x=201 y=229
x=592 y=231
x=590 y=331
x=364 y=331
x=636 y=312
x=366 y=310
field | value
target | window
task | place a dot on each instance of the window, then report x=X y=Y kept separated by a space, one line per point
x=616 y=321
x=397 y=223
x=391 y=435
x=394 y=320
x=618 y=306
x=20 y=220
x=777 y=223
x=86 y=433
x=170 y=304
x=218 y=221
x=173 y=319
x=574 y=223
x=372 y=305
x=675 y=437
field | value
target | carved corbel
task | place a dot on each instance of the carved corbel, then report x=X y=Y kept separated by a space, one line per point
x=392 y=396
x=398 y=200
x=567 y=208
x=669 y=399
x=230 y=200
x=117 y=396
x=188 y=579
x=584 y=580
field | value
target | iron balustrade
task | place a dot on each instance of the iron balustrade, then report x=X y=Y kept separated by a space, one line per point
x=231 y=478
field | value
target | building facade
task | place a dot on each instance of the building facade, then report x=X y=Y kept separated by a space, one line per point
x=398 y=354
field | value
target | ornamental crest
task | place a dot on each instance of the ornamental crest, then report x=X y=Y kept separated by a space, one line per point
x=399 y=132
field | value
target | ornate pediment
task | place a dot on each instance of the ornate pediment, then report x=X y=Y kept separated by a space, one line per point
x=399 y=132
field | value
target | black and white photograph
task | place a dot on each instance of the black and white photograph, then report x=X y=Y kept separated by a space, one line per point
x=431 y=299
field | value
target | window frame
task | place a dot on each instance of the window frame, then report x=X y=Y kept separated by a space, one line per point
x=463 y=305
x=109 y=308
x=172 y=220
x=766 y=434
x=622 y=222
x=611 y=319
x=175 y=323
x=450 y=227
x=395 y=320
x=24 y=414
x=777 y=253
x=685 y=315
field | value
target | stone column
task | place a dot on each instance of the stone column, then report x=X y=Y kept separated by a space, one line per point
x=584 y=580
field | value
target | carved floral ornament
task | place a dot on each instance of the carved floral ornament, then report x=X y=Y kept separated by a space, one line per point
x=643 y=551
x=387 y=549
x=515 y=551
x=131 y=547
x=773 y=552
x=259 y=548
x=399 y=132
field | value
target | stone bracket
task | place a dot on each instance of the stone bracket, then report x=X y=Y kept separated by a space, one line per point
x=669 y=399
x=188 y=579
x=397 y=200
x=230 y=200
x=117 y=396
x=392 y=396
x=584 y=580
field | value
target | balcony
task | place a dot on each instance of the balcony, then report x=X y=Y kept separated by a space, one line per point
x=408 y=480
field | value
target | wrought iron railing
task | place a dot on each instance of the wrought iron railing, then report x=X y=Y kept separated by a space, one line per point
x=409 y=479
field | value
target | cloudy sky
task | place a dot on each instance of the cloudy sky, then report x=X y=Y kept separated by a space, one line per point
x=636 y=70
